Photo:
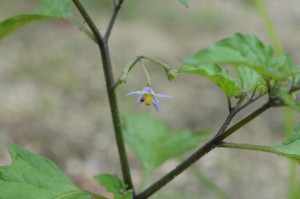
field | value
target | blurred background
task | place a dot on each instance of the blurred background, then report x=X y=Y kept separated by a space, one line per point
x=53 y=99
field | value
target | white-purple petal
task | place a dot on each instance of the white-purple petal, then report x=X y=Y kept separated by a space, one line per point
x=163 y=95
x=148 y=90
x=155 y=103
x=135 y=93
x=138 y=101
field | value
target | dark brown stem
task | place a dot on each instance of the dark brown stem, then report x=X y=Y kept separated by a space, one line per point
x=211 y=144
x=107 y=67
x=113 y=19
x=229 y=104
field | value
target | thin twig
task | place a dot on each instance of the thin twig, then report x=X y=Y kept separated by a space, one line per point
x=89 y=21
x=107 y=67
x=211 y=144
x=248 y=103
x=232 y=113
x=254 y=92
x=113 y=19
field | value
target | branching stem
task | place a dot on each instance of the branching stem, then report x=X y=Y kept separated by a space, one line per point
x=211 y=144
x=107 y=67
x=113 y=19
x=217 y=140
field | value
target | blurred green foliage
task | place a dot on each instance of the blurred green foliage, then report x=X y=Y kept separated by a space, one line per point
x=153 y=143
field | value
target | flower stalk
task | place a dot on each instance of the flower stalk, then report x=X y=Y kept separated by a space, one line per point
x=149 y=83
x=123 y=77
x=170 y=72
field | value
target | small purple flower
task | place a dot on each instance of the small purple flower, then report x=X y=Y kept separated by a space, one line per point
x=148 y=96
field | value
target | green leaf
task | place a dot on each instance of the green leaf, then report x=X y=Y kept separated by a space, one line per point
x=153 y=143
x=114 y=185
x=57 y=8
x=237 y=50
x=208 y=183
x=184 y=2
x=215 y=73
x=291 y=145
x=295 y=77
x=243 y=50
x=288 y=99
x=250 y=79
x=12 y=24
x=295 y=135
x=35 y=177
x=47 y=9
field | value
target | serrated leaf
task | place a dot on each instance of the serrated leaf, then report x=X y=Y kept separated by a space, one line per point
x=114 y=185
x=249 y=78
x=215 y=73
x=295 y=135
x=243 y=50
x=47 y=9
x=153 y=143
x=35 y=177
x=291 y=145
x=184 y=2
x=237 y=50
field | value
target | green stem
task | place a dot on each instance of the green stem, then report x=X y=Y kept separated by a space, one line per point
x=160 y=63
x=293 y=183
x=293 y=191
x=98 y=197
x=251 y=147
x=107 y=67
x=288 y=116
x=123 y=77
x=288 y=121
x=207 y=147
x=170 y=72
x=269 y=26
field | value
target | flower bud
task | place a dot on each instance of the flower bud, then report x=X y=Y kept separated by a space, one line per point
x=171 y=73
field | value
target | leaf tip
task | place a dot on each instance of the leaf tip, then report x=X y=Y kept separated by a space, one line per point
x=184 y=3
